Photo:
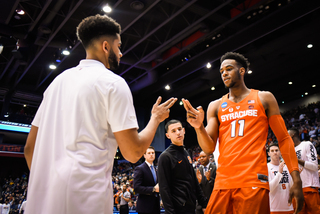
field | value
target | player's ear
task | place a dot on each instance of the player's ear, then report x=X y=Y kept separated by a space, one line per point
x=167 y=135
x=105 y=46
x=242 y=70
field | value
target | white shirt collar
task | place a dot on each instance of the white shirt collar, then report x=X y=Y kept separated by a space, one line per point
x=91 y=62
x=149 y=164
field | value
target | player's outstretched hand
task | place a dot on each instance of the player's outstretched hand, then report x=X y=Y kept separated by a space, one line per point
x=161 y=111
x=296 y=192
x=195 y=117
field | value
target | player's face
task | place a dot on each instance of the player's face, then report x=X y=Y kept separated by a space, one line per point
x=229 y=71
x=115 y=54
x=274 y=153
x=176 y=133
x=149 y=155
x=203 y=159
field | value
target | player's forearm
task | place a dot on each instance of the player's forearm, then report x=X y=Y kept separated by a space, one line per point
x=285 y=142
x=296 y=177
x=135 y=144
x=274 y=183
x=206 y=143
x=313 y=166
x=147 y=134
x=301 y=162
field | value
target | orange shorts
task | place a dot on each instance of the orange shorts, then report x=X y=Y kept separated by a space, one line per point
x=311 y=201
x=240 y=200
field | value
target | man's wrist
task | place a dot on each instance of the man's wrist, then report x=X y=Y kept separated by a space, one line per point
x=296 y=176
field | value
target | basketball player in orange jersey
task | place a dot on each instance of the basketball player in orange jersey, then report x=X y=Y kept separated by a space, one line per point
x=240 y=120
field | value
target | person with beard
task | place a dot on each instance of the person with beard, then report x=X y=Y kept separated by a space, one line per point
x=240 y=120
x=85 y=114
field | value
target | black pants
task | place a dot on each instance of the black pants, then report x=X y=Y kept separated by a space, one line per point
x=124 y=209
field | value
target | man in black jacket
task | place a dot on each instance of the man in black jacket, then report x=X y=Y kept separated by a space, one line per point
x=179 y=187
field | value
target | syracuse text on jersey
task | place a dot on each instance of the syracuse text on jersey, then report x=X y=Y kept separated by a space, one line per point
x=239 y=114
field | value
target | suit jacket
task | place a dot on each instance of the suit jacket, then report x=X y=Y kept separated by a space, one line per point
x=143 y=183
x=207 y=186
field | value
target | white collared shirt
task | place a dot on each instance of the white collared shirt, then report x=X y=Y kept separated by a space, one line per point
x=75 y=145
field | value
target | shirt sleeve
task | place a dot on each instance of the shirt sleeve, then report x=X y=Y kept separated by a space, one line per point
x=121 y=114
x=37 y=117
x=312 y=162
x=275 y=181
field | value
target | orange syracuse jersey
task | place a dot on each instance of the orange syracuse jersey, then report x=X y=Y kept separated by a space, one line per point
x=243 y=133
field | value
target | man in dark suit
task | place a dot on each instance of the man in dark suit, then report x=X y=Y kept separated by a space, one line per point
x=206 y=175
x=146 y=185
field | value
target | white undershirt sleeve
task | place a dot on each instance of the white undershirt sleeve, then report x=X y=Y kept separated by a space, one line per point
x=311 y=166
x=274 y=183
x=312 y=162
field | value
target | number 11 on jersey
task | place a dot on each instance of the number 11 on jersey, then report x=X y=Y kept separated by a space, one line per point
x=233 y=128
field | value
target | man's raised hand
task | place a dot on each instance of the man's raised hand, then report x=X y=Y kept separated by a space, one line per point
x=161 y=111
x=195 y=117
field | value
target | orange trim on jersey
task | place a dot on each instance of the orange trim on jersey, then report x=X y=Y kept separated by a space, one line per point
x=243 y=133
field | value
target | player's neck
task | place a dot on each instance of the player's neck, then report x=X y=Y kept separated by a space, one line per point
x=275 y=162
x=296 y=143
x=238 y=93
x=177 y=143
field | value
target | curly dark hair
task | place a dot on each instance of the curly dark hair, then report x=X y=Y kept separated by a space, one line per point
x=93 y=27
x=239 y=58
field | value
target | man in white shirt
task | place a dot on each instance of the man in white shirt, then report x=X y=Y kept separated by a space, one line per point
x=5 y=207
x=86 y=113
x=280 y=182
x=308 y=167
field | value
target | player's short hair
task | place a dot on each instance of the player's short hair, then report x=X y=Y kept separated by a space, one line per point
x=239 y=58
x=93 y=27
x=295 y=132
x=271 y=145
x=171 y=122
x=150 y=147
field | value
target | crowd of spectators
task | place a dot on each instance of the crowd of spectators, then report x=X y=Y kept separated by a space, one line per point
x=306 y=119
x=13 y=194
